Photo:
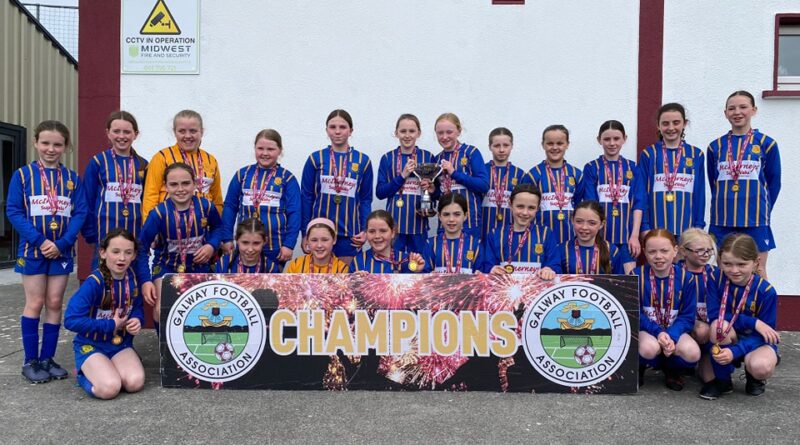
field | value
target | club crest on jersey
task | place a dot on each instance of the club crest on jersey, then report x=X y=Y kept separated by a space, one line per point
x=70 y=185
x=756 y=149
x=571 y=180
x=689 y=162
x=21 y=262
x=464 y=161
x=355 y=168
x=204 y=222
x=514 y=181
x=629 y=174
x=141 y=174
x=278 y=181
x=470 y=255
x=538 y=249
x=85 y=349
x=156 y=270
x=753 y=307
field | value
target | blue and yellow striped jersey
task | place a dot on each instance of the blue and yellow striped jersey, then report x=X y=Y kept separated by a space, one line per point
x=94 y=325
x=279 y=204
x=505 y=179
x=681 y=317
x=549 y=210
x=162 y=228
x=320 y=195
x=229 y=263
x=469 y=179
x=688 y=205
x=597 y=186
x=366 y=262
x=30 y=212
x=104 y=184
x=617 y=258
x=436 y=261
x=396 y=190
x=759 y=181
x=539 y=250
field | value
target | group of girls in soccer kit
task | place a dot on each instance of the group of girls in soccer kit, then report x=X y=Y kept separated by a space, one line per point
x=493 y=217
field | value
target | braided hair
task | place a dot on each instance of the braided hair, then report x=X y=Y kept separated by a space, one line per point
x=108 y=280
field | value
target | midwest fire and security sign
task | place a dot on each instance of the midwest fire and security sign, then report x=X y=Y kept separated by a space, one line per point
x=518 y=333
x=160 y=37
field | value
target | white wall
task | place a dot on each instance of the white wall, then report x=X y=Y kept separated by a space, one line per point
x=711 y=50
x=286 y=65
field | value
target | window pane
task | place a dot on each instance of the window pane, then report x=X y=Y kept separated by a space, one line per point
x=789 y=55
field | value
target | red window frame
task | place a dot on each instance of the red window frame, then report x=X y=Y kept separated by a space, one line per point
x=780 y=20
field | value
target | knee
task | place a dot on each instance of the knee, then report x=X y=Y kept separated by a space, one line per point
x=688 y=350
x=33 y=307
x=761 y=368
x=701 y=331
x=106 y=388
x=649 y=349
x=133 y=381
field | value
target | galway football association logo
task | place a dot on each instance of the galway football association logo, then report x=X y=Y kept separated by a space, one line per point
x=576 y=334
x=216 y=331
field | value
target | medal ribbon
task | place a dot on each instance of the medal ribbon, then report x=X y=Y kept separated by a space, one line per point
x=261 y=192
x=663 y=317
x=51 y=193
x=721 y=334
x=560 y=186
x=125 y=181
x=198 y=169
x=447 y=180
x=670 y=177
x=398 y=168
x=522 y=240
x=189 y=222
x=447 y=259
x=338 y=181
x=500 y=186
x=614 y=187
x=395 y=264
x=240 y=267
x=579 y=263
x=736 y=168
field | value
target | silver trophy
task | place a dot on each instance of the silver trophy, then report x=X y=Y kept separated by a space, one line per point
x=428 y=171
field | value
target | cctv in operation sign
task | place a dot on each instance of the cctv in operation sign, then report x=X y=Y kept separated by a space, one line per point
x=160 y=37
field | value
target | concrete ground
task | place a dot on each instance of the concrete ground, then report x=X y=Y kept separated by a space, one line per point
x=59 y=412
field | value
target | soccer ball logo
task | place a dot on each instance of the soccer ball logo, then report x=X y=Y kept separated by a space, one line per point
x=224 y=351
x=584 y=355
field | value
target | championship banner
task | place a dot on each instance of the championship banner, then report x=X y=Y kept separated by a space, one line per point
x=576 y=334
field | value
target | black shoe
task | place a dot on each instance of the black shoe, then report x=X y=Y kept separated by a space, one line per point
x=725 y=386
x=673 y=379
x=710 y=390
x=34 y=373
x=54 y=369
x=642 y=369
x=754 y=387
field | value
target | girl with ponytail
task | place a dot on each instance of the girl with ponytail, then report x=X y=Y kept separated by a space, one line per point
x=105 y=313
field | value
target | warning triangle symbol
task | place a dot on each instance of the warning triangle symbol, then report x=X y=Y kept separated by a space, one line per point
x=160 y=21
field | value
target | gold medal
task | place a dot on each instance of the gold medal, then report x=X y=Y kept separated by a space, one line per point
x=715 y=350
x=125 y=212
x=670 y=197
x=509 y=268
x=735 y=188
x=615 y=212
x=181 y=268
x=203 y=222
x=399 y=202
x=412 y=266
x=337 y=200
x=53 y=225
x=116 y=340
x=561 y=216
x=499 y=216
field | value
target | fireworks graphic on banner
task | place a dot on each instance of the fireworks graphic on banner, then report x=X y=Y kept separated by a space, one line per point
x=436 y=292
